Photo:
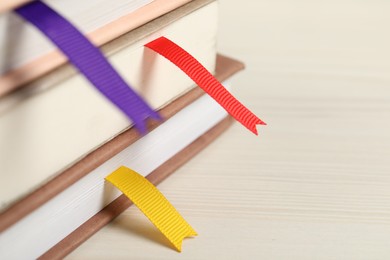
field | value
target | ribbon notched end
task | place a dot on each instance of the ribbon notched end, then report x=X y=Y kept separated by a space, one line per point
x=252 y=126
x=140 y=120
x=180 y=237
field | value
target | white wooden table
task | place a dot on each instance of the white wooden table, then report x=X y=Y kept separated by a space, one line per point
x=316 y=183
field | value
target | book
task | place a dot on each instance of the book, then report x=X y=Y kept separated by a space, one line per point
x=101 y=21
x=60 y=118
x=54 y=173
x=85 y=197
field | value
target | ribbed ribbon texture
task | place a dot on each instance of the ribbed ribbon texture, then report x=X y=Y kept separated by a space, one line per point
x=153 y=204
x=89 y=60
x=189 y=65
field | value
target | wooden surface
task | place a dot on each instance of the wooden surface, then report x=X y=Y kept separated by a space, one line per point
x=316 y=183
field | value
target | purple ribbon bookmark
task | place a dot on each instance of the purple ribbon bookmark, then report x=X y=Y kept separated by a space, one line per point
x=89 y=60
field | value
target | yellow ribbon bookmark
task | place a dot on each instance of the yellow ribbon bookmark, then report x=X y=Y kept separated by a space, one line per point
x=153 y=204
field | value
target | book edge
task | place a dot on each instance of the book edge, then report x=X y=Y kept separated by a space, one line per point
x=115 y=208
x=225 y=68
x=104 y=37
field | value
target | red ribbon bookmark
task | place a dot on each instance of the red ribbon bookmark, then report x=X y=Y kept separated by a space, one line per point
x=199 y=74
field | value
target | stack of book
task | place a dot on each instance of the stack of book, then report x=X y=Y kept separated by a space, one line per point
x=59 y=137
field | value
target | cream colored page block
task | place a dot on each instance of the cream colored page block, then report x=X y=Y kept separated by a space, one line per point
x=47 y=132
x=315 y=184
